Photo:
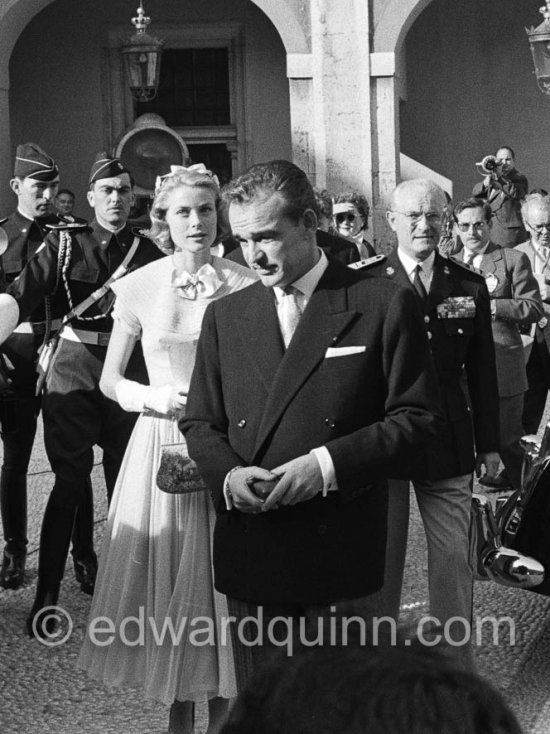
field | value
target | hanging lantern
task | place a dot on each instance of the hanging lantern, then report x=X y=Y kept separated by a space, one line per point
x=539 y=40
x=141 y=54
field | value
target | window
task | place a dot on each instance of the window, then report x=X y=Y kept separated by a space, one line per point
x=193 y=89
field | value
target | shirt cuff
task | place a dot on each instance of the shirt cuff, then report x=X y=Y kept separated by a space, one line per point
x=326 y=464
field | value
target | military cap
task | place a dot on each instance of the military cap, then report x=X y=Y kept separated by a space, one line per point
x=105 y=167
x=32 y=162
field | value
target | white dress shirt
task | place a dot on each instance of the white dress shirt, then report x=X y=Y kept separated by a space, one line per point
x=475 y=262
x=541 y=259
x=426 y=271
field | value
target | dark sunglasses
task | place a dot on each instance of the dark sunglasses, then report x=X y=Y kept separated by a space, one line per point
x=344 y=217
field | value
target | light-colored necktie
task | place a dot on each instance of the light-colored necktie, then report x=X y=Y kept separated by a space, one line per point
x=290 y=311
x=469 y=257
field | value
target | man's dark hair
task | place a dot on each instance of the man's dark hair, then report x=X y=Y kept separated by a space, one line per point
x=65 y=191
x=274 y=177
x=473 y=203
x=379 y=690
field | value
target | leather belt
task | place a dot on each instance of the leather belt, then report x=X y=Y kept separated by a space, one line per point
x=36 y=327
x=98 y=338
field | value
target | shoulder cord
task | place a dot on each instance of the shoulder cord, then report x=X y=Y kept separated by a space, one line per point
x=67 y=289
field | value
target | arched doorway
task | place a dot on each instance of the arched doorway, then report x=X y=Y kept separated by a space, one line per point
x=58 y=97
x=470 y=88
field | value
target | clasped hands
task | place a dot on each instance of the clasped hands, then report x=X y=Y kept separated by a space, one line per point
x=254 y=490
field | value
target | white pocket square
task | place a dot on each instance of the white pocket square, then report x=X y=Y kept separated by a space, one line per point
x=343 y=351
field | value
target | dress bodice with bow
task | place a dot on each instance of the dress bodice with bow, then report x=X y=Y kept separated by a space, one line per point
x=166 y=309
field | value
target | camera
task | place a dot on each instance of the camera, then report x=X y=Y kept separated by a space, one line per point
x=489 y=164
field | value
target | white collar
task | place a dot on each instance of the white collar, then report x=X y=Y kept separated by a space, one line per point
x=409 y=263
x=308 y=282
x=539 y=248
x=479 y=252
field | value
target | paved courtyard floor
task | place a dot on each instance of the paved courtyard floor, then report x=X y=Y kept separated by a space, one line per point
x=41 y=690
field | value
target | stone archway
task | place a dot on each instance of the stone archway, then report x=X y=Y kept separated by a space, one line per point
x=394 y=19
x=285 y=18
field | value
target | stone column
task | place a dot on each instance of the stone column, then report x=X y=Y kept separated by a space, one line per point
x=386 y=146
x=341 y=120
x=299 y=73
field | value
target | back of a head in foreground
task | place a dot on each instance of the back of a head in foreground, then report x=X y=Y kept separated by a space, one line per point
x=366 y=690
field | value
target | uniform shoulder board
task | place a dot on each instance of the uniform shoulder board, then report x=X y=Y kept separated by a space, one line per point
x=67 y=227
x=140 y=232
x=368 y=262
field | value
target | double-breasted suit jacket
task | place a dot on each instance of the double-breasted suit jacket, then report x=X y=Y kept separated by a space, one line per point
x=504 y=196
x=528 y=249
x=515 y=292
x=356 y=378
x=461 y=348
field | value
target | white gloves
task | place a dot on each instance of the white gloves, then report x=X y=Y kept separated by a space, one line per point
x=165 y=399
x=9 y=316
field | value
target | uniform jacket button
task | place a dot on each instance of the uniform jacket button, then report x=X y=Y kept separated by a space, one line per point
x=330 y=423
x=242 y=423
x=426 y=319
x=429 y=334
x=460 y=331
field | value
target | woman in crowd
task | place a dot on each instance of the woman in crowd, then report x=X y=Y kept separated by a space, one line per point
x=156 y=565
x=351 y=219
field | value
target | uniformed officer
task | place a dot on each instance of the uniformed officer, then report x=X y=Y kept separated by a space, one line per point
x=457 y=314
x=76 y=413
x=35 y=182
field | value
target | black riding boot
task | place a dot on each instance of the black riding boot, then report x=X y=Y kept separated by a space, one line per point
x=13 y=506
x=84 y=557
x=54 y=547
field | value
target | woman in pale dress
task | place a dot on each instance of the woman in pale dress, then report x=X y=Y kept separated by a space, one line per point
x=155 y=583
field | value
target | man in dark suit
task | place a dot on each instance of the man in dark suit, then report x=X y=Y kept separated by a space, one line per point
x=503 y=189
x=309 y=387
x=535 y=210
x=515 y=303
x=456 y=310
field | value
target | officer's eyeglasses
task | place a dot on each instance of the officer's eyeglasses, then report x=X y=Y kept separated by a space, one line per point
x=415 y=217
x=539 y=228
x=465 y=226
x=345 y=217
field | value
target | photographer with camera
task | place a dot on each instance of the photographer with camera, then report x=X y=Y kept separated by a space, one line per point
x=535 y=210
x=503 y=188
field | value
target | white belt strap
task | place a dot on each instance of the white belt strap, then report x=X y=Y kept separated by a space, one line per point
x=98 y=338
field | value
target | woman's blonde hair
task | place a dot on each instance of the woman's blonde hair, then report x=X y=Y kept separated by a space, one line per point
x=159 y=231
